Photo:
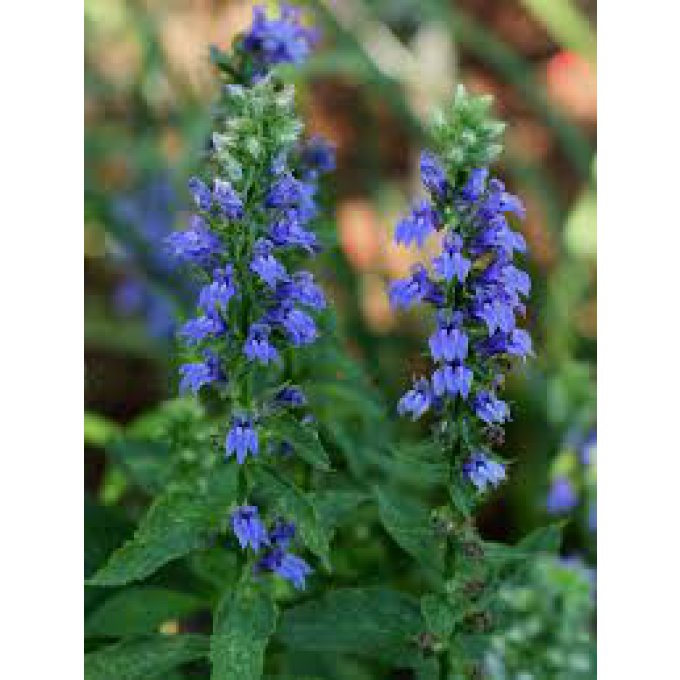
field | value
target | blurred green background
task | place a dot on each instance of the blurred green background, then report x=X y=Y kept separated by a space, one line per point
x=380 y=68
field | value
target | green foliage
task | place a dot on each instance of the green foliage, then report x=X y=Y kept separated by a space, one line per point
x=180 y=520
x=144 y=659
x=304 y=440
x=369 y=621
x=244 y=622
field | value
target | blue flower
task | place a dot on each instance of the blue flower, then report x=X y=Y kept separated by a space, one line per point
x=195 y=331
x=422 y=221
x=257 y=345
x=302 y=289
x=474 y=187
x=200 y=193
x=451 y=264
x=249 y=530
x=515 y=280
x=265 y=265
x=490 y=409
x=417 y=400
x=406 y=292
x=228 y=200
x=287 y=231
x=496 y=314
x=215 y=297
x=287 y=192
x=241 y=438
x=282 y=533
x=589 y=448
x=195 y=245
x=561 y=496
x=290 y=396
x=196 y=375
x=277 y=41
x=288 y=566
x=483 y=471
x=433 y=175
x=452 y=380
x=299 y=326
x=448 y=342
x=318 y=155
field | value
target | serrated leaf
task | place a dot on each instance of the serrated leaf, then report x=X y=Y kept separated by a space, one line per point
x=346 y=397
x=335 y=506
x=244 y=622
x=439 y=617
x=368 y=621
x=179 y=521
x=304 y=439
x=147 y=463
x=139 y=610
x=410 y=526
x=144 y=659
x=218 y=566
x=293 y=504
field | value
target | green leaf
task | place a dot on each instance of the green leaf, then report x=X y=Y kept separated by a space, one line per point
x=147 y=463
x=139 y=610
x=304 y=439
x=410 y=526
x=289 y=501
x=335 y=506
x=217 y=566
x=99 y=430
x=144 y=659
x=438 y=615
x=244 y=622
x=542 y=540
x=346 y=397
x=368 y=621
x=105 y=529
x=179 y=521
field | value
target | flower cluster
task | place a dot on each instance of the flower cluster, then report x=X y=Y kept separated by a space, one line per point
x=248 y=240
x=272 y=545
x=473 y=285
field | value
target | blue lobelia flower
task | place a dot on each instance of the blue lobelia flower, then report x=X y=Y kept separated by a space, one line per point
x=298 y=325
x=451 y=264
x=318 y=155
x=287 y=192
x=473 y=189
x=417 y=400
x=561 y=496
x=483 y=471
x=417 y=226
x=241 y=438
x=257 y=345
x=452 y=380
x=229 y=202
x=287 y=232
x=195 y=331
x=282 y=533
x=290 y=396
x=301 y=288
x=200 y=193
x=196 y=245
x=215 y=297
x=288 y=566
x=406 y=292
x=248 y=528
x=449 y=342
x=490 y=409
x=196 y=375
x=433 y=175
x=265 y=265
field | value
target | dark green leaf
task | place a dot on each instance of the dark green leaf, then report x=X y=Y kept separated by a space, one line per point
x=335 y=506
x=139 y=610
x=438 y=615
x=144 y=659
x=366 y=621
x=147 y=463
x=304 y=439
x=244 y=623
x=410 y=526
x=179 y=521
x=290 y=502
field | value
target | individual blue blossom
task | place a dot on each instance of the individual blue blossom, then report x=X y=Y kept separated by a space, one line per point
x=242 y=438
x=265 y=265
x=287 y=231
x=406 y=292
x=417 y=400
x=500 y=201
x=248 y=528
x=476 y=182
x=433 y=175
x=449 y=342
x=258 y=347
x=417 y=226
x=287 y=192
x=496 y=313
x=589 y=448
x=195 y=245
x=301 y=288
x=451 y=264
x=490 y=409
x=229 y=202
x=290 y=396
x=561 y=496
x=195 y=331
x=288 y=566
x=200 y=193
x=318 y=155
x=282 y=533
x=515 y=280
x=278 y=41
x=298 y=325
x=201 y=373
x=519 y=343
x=483 y=471
x=452 y=380
x=215 y=296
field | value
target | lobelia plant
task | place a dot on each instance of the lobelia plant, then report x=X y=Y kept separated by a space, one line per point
x=477 y=294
